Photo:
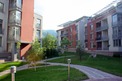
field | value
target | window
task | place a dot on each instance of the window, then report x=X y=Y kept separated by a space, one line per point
x=15 y=3
x=119 y=19
x=91 y=44
x=1 y=7
x=0 y=41
x=120 y=44
x=115 y=31
x=91 y=36
x=14 y=33
x=114 y=20
x=38 y=23
x=91 y=27
x=38 y=34
x=1 y=26
x=19 y=3
x=15 y=17
x=117 y=43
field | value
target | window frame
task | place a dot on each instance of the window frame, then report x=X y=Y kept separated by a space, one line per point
x=114 y=23
x=2 y=9
x=38 y=23
x=91 y=27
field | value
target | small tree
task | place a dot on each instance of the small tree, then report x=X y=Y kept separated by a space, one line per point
x=64 y=43
x=80 y=50
x=34 y=54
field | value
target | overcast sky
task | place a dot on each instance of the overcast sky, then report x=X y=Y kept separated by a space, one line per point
x=56 y=12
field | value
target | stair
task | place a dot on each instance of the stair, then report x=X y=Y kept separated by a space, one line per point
x=5 y=56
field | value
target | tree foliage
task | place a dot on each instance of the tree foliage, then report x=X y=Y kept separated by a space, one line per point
x=65 y=42
x=49 y=41
x=80 y=50
x=49 y=44
x=34 y=54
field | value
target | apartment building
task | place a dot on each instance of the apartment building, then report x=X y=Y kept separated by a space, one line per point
x=37 y=32
x=80 y=24
x=69 y=30
x=16 y=25
x=3 y=24
x=74 y=31
x=3 y=27
x=104 y=30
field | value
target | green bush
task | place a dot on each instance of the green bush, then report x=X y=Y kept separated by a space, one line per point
x=49 y=53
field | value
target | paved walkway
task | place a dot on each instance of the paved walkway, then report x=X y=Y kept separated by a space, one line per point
x=93 y=74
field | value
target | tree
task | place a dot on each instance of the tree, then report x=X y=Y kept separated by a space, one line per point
x=49 y=44
x=34 y=54
x=80 y=50
x=64 y=43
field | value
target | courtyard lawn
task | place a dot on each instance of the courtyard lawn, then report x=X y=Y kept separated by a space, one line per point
x=7 y=65
x=105 y=63
x=49 y=73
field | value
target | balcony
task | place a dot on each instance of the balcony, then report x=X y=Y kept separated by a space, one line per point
x=11 y=38
x=101 y=28
x=119 y=36
x=14 y=23
x=106 y=48
x=98 y=38
x=103 y=38
x=99 y=48
x=64 y=35
x=98 y=29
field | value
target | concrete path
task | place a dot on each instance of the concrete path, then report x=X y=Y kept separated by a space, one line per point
x=93 y=74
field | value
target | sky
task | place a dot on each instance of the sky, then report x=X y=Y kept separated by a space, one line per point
x=56 y=12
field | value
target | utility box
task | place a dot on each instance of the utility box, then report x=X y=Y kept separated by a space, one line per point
x=13 y=69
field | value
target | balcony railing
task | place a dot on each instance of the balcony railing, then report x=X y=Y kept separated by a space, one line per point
x=99 y=48
x=14 y=24
x=117 y=36
x=106 y=48
x=101 y=28
x=65 y=34
x=17 y=38
x=102 y=38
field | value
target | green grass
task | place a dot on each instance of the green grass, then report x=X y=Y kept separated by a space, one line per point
x=50 y=73
x=7 y=65
x=108 y=64
x=67 y=54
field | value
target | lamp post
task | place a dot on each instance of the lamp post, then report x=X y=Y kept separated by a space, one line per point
x=69 y=61
x=13 y=71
